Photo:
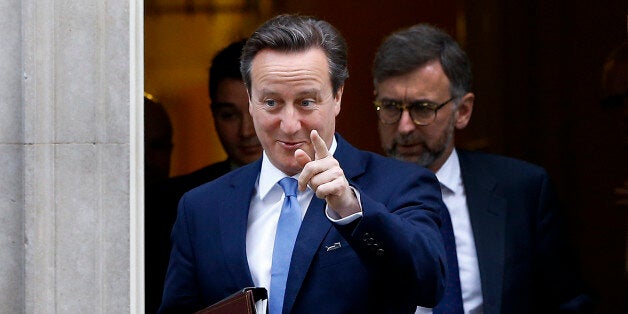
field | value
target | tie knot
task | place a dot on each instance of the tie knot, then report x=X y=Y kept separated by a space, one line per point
x=289 y=186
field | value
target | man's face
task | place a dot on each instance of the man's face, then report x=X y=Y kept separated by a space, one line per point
x=291 y=94
x=428 y=145
x=233 y=122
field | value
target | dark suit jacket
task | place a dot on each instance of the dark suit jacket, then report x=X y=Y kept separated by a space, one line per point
x=184 y=183
x=161 y=211
x=525 y=262
x=389 y=261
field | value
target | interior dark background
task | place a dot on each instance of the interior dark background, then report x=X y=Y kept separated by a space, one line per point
x=537 y=69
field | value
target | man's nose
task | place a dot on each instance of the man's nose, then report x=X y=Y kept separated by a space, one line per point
x=405 y=124
x=290 y=120
x=247 y=129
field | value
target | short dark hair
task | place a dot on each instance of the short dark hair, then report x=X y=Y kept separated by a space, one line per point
x=408 y=49
x=295 y=33
x=226 y=64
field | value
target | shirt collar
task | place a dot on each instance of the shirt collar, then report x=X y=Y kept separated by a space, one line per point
x=449 y=174
x=270 y=175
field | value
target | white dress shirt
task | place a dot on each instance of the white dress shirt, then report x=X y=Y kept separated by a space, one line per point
x=455 y=199
x=264 y=211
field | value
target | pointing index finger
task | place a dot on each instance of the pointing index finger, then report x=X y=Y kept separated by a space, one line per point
x=320 y=148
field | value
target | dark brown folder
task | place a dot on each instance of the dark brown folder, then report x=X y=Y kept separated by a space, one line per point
x=241 y=302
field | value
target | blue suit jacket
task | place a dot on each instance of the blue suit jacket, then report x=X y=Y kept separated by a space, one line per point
x=525 y=263
x=390 y=260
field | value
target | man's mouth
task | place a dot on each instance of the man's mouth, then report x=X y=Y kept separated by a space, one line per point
x=250 y=149
x=406 y=148
x=289 y=145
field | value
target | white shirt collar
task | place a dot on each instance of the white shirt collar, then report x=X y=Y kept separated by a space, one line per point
x=449 y=174
x=270 y=175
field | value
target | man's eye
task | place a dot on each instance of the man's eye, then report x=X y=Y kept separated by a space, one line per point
x=389 y=105
x=227 y=115
x=423 y=106
x=307 y=102
x=270 y=102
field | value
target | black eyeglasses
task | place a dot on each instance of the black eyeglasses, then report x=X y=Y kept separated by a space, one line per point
x=421 y=112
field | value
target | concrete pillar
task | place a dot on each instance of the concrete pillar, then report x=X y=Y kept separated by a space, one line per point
x=11 y=165
x=70 y=156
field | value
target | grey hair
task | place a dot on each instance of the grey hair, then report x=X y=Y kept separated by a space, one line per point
x=408 y=49
x=295 y=33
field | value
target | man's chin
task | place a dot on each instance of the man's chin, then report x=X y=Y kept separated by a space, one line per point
x=244 y=159
x=406 y=157
x=419 y=159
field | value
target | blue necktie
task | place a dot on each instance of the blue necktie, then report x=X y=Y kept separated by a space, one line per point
x=287 y=230
x=451 y=303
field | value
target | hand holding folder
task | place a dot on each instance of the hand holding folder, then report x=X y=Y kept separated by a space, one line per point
x=241 y=302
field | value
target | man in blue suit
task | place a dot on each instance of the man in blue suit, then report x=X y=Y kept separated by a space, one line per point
x=369 y=238
x=509 y=245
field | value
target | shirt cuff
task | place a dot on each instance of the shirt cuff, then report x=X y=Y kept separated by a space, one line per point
x=333 y=217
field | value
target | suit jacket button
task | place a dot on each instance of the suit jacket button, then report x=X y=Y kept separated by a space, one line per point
x=379 y=252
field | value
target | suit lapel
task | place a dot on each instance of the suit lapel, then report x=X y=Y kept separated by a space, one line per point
x=316 y=226
x=233 y=221
x=351 y=160
x=487 y=212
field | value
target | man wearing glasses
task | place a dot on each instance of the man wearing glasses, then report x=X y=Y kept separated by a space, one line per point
x=507 y=241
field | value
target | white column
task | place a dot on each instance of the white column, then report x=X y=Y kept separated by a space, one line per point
x=70 y=156
x=11 y=164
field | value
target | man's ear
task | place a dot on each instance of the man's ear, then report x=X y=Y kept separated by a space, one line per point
x=248 y=94
x=338 y=98
x=464 y=110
